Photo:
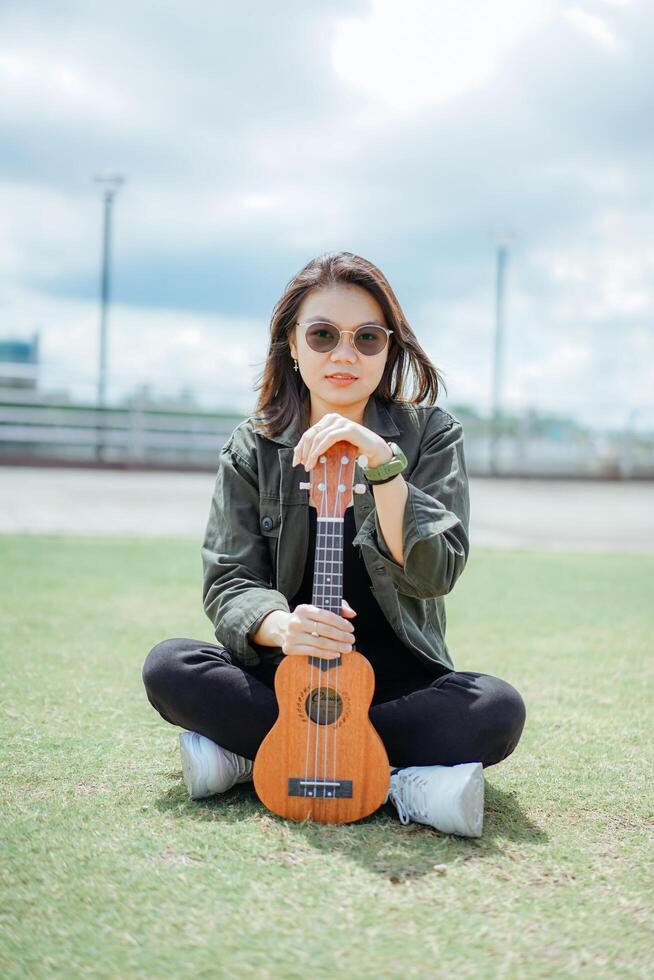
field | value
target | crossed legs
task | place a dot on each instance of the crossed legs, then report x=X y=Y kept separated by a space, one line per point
x=461 y=716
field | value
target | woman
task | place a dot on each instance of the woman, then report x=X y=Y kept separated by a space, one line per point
x=339 y=356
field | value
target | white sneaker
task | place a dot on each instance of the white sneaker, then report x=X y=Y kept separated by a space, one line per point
x=448 y=798
x=208 y=769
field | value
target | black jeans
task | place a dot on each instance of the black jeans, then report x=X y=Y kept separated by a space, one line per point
x=459 y=716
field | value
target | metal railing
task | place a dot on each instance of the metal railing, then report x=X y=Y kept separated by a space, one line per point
x=50 y=433
x=119 y=436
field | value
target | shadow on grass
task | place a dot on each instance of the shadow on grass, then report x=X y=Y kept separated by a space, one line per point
x=378 y=843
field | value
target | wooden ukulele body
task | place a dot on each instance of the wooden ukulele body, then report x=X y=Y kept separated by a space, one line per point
x=323 y=760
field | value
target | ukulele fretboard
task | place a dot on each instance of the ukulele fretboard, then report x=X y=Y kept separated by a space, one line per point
x=328 y=566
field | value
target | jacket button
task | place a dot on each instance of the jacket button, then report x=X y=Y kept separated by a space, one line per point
x=267 y=523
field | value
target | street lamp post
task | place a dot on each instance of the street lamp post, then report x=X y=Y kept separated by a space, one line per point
x=110 y=184
x=503 y=243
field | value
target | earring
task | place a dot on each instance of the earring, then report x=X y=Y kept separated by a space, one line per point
x=295 y=367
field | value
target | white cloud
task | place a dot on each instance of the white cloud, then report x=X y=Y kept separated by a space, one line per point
x=595 y=27
x=217 y=357
x=417 y=54
x=48 y=84
x=578 y=327
x=45 y=231
x=607 y=275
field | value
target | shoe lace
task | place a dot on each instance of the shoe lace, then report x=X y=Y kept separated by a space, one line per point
x=242 y=766
x=399 y=806
x=409 y=794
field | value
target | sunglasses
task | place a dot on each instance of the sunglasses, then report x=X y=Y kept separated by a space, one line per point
x=368 y=339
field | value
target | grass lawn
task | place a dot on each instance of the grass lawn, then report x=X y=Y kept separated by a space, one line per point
x=109 y=870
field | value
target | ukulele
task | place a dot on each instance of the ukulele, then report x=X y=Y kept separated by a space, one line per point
x=322 y=759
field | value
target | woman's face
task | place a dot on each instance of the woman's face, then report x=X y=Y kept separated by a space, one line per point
x=348 y=306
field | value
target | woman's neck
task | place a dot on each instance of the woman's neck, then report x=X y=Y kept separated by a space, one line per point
x=320 y=408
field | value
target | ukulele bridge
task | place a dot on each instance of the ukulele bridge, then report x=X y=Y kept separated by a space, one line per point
x=323 y=789
x=323 y=663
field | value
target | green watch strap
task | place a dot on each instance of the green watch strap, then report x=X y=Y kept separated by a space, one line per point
x=389 y=469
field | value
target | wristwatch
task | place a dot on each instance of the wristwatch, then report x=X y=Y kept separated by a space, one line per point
x=388 y=470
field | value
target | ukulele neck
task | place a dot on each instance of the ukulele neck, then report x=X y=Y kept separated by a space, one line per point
x=328 y=564
x=328 y=567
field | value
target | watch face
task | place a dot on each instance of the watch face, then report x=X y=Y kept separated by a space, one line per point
x=398 y=452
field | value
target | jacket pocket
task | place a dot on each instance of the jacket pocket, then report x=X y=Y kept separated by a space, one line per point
x=269 y=526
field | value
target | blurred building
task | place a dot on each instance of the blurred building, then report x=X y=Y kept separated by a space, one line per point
x=19 y=363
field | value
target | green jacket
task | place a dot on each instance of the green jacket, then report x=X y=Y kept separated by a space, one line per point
x=256 y=540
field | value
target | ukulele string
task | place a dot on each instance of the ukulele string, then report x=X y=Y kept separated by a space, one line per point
x=334 y=590
x=339 y=594
x=306 y=767
x=327 y=538
x=321 y=536
x=329 y=598
x=315 y=598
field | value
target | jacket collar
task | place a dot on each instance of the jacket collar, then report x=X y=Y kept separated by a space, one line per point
x=376 y=416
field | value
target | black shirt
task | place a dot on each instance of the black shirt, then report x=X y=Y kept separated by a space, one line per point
x=392 y=662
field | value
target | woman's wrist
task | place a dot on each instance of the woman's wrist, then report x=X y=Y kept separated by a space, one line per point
x=272 y=630
x=383 y=456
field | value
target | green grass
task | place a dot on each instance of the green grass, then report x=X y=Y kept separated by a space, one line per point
x=109 y=870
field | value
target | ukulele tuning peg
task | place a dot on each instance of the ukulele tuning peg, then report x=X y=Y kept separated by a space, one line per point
x=305 y=486
x=359 y=488
x=362 y=461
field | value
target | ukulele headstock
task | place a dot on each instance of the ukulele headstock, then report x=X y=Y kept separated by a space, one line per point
x=332 y=478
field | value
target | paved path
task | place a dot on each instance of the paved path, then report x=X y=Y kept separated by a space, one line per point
x=554 y=515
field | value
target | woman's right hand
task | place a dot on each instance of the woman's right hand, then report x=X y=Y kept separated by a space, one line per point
x=335 y=635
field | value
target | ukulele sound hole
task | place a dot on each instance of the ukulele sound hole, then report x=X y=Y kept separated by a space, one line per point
x=324 y=705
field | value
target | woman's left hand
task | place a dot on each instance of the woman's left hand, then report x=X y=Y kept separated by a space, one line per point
x=333 y=428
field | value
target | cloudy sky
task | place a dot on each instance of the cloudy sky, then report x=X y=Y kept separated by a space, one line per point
x=255 y=136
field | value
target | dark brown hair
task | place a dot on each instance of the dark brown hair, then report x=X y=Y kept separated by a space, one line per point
x=283 y=393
